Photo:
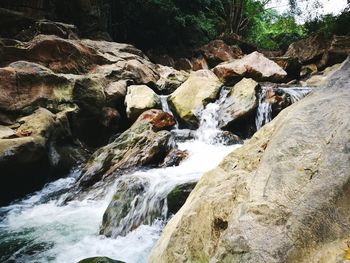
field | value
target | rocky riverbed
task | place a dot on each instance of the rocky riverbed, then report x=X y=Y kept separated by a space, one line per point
x=230 y=157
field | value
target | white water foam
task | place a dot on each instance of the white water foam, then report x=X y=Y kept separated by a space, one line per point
x=41 y=229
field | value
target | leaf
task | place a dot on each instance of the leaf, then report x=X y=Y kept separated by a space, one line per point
x=347 y=256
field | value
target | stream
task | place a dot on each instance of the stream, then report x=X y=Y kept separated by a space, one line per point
x=42 y=228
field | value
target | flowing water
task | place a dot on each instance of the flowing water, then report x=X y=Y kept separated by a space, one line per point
x=41 y=228
x=264 y=111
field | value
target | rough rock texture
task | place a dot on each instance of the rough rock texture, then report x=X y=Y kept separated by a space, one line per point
x=25 y=84
x=170 y=79
x=254 y=65
x=240 y=101
x=31 y=151
x=201 y=88
x=160 y=120
x=217 y=51
x=139 y=99
x=282 y=197
x=308 y=50
x=140 y=145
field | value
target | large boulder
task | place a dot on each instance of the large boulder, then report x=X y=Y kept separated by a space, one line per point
x=240 y=102
x=25 y=85
x=308 y=50
x=59 y=55
x=216 y=52
x=29 y=153
x=142 y=144
x=254 y=65
x=281 y=197
x=140 y=98
x=201 y=88
x=239 y=105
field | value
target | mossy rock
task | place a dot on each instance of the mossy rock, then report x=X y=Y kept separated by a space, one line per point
x=100 y=260
x=178 y=196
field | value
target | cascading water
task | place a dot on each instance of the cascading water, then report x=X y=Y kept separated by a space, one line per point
x=264 y=111
x=42 y=228
x=166 y=108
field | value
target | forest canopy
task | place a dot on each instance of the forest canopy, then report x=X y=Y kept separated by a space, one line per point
x=174 y=23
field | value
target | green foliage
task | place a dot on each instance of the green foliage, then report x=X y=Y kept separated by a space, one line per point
x=272 y=31
x=154 y=23
x=330 y=25
x=183 y=23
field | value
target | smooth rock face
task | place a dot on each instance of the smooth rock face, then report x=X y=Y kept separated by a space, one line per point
x=201 y=88
x=282 y=197
x=139 y=99
x=254 y=65
x=240 y=101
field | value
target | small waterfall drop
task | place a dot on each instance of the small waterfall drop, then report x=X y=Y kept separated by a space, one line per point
x=264 y=111
x=42 y=228
x=265 y=101
x=166 y=108
x=208 y=130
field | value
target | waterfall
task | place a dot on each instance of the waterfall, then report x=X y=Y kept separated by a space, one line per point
x=265 y=100
x=208 y=130
x=166 y=108
x=297 y=93
x=264 y=111
x=42 y=228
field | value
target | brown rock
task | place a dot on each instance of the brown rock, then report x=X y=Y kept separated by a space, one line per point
x=159 y=119
x=282 y=197
x=217 y=51
x=183 y=64
x=308 y=50
x=199 y=63
x=25 y=84
x=337 y=52
x=254 y=65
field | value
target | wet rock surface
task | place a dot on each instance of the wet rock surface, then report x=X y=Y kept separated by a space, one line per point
x=253 y=221
x=201 y=88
